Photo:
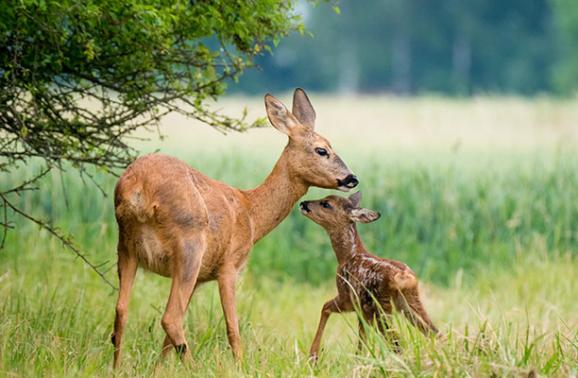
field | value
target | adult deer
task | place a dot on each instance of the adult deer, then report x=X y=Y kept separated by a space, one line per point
x=179 y=223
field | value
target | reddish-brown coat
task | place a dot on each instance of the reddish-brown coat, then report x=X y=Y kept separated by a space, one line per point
x=177 y=222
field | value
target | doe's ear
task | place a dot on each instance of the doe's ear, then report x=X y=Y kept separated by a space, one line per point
x=355 y=199
x=302 y=109
x=364 y=215
x=279 y=116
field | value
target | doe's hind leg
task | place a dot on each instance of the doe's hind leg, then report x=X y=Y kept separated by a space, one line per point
x=127 y=266
x=167 y=345
x=186 y=270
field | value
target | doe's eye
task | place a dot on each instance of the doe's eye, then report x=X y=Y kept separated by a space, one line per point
x=321 y=151
x=326 y=205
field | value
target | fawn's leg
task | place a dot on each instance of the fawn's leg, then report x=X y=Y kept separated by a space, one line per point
x=362 y=335
x=389 y=334
x=227 y=279
x=377 y=316
x=127 y=266
x=334 y=305
x=186 y=271
x=412 y=308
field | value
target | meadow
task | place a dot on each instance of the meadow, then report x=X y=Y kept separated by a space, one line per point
x=478 y=196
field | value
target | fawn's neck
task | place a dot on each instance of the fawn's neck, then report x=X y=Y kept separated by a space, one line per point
x=346 y=242
x=272 y=201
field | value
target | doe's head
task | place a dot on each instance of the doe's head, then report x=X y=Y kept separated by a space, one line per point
x=310 y=156
x=336 y=212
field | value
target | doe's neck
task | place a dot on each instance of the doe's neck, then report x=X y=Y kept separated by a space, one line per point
x=271 y=202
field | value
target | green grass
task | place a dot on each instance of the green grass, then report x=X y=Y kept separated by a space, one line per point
x=492 y=233
x=57 y=317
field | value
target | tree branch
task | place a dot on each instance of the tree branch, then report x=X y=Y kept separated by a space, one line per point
x=65 y=239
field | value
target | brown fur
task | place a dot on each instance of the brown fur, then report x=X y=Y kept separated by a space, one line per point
x=179 y=223
x=364 y=281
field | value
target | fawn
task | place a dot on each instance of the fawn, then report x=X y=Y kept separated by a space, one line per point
x=364 y=281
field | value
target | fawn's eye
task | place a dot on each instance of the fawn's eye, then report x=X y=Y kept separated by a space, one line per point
x=321 y=151
x=325 y=205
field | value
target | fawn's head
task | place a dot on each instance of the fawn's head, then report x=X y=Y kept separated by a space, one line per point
x=334 y=212
x=309 y=155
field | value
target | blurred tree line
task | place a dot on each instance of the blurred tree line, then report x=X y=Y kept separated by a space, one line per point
x=456 y=47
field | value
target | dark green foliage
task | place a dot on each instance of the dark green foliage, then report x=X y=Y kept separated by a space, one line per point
x=77 y=77
x=565 y=73
x=457 y=47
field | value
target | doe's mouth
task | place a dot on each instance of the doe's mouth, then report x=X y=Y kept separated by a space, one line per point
x=344 y=188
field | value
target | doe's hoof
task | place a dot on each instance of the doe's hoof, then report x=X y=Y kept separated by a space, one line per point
x=181 y=349
x=313 y=358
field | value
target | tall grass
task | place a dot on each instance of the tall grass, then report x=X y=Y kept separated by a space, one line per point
x=442 y=216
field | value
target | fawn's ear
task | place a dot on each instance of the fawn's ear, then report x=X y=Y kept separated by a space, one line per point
x=302 y=109
x=364 y=215
x=355 y=199
x=279 y=116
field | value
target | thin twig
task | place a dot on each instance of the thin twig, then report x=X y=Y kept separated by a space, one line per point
x=24 y=185
x=66 y=240
x=5 y=225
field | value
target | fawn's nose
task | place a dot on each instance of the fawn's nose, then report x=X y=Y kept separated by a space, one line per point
x=349 y=182
x=304 y=206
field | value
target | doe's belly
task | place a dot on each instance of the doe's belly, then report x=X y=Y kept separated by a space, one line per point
x=156 y=255
x=152 y=254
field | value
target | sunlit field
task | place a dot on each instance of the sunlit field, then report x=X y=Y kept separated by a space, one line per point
x=478 y=196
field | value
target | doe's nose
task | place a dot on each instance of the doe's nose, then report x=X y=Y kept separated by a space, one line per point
x=353 y=181
x=350 y=181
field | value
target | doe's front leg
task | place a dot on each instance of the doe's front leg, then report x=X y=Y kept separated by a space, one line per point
x=227 y=280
